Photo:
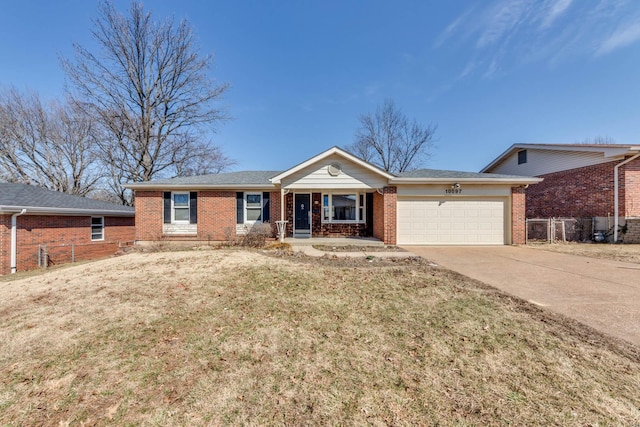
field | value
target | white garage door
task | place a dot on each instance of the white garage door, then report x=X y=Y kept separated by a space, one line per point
x=450 y=222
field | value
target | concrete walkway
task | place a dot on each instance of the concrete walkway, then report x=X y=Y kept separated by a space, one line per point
x=600 y=293
x=306 y=247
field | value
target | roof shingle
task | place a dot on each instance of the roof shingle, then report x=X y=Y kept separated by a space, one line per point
x=26 y=196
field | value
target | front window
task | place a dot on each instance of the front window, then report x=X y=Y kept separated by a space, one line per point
x=181 y=207
x=97 y=228
x=253 y=206
x=343 y=207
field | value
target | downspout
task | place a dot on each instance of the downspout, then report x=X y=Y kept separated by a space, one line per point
x=14 y=238
x=616 y=210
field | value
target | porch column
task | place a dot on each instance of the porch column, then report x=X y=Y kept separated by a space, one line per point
x=282 y=194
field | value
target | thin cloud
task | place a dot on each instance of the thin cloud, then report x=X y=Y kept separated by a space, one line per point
x=621 y=38
x=505 y=33
x=505 y=18
x=453 y=28
x=555 y=11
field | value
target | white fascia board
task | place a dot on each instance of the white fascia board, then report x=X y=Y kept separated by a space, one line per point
x=63 y=211
x=333 y=150
x=502 y=181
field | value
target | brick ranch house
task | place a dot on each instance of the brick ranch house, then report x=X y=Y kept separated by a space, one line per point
x=337 y=194
x=600 y=181
x=43 y=227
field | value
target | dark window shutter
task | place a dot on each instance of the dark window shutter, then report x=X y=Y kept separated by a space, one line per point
x=266 y=215
x=193 y=207
x=239 y=207
x=167 y=207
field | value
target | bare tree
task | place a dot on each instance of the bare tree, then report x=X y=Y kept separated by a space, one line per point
x=151 y=93
x=46 y=145
x=389 y=140
x=598 y=140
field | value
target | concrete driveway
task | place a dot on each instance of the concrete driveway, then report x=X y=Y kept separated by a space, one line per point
x=600 y=293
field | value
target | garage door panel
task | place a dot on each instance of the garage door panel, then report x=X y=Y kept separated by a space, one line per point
x=455 y=222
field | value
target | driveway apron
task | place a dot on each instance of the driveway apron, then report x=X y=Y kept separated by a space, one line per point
x=600 y=293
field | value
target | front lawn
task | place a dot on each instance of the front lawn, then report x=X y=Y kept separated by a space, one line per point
x=617 y=252
x=232 y=337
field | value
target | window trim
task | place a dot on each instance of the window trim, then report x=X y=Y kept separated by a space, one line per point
x=173 y=208
x=360 y=208
x=522 y=157
x=246 y=208
x=101 y=225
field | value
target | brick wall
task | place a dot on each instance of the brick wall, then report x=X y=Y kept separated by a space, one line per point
x=586 y=192
x=59 y=233
x=288 y=213
x=630 y=184
x=216 y=215
x=384 y=215
x=148 y=215
x=518 y=216
x=274 y=211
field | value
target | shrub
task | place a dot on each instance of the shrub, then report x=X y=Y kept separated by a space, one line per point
x=257 y=235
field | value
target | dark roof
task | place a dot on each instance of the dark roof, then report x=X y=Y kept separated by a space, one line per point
x=28 y=196
x=446 y=174
x=230 y=178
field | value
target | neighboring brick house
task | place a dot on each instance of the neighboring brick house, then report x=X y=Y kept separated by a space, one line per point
x=600 y=181
x=39 y=227
x=336 y=194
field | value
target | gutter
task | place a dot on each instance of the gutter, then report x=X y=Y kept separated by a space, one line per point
x=449 y=180
x=14 y=238
x=230 y=187
x=616 y=209
x=67 y=211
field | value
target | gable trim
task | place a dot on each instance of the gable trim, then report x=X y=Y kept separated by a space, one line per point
x=331 y=151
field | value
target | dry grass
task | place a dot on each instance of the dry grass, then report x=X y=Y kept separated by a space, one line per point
x=625 y=253
x=232 y=337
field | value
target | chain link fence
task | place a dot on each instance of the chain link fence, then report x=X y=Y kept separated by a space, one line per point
x=552 y=230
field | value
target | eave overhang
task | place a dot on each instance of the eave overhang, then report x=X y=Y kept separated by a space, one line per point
x=503 y=181
x=7 y=209
x=184 y=187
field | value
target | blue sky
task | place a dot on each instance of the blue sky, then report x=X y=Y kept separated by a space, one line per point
x=488 y=74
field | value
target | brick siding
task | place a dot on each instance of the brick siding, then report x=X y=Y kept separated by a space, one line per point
x=148 y=215
x=586 y=192
x=59 y=233
x=216 y=215
x=384 y=215
x=630 y=177
x=518 y=218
